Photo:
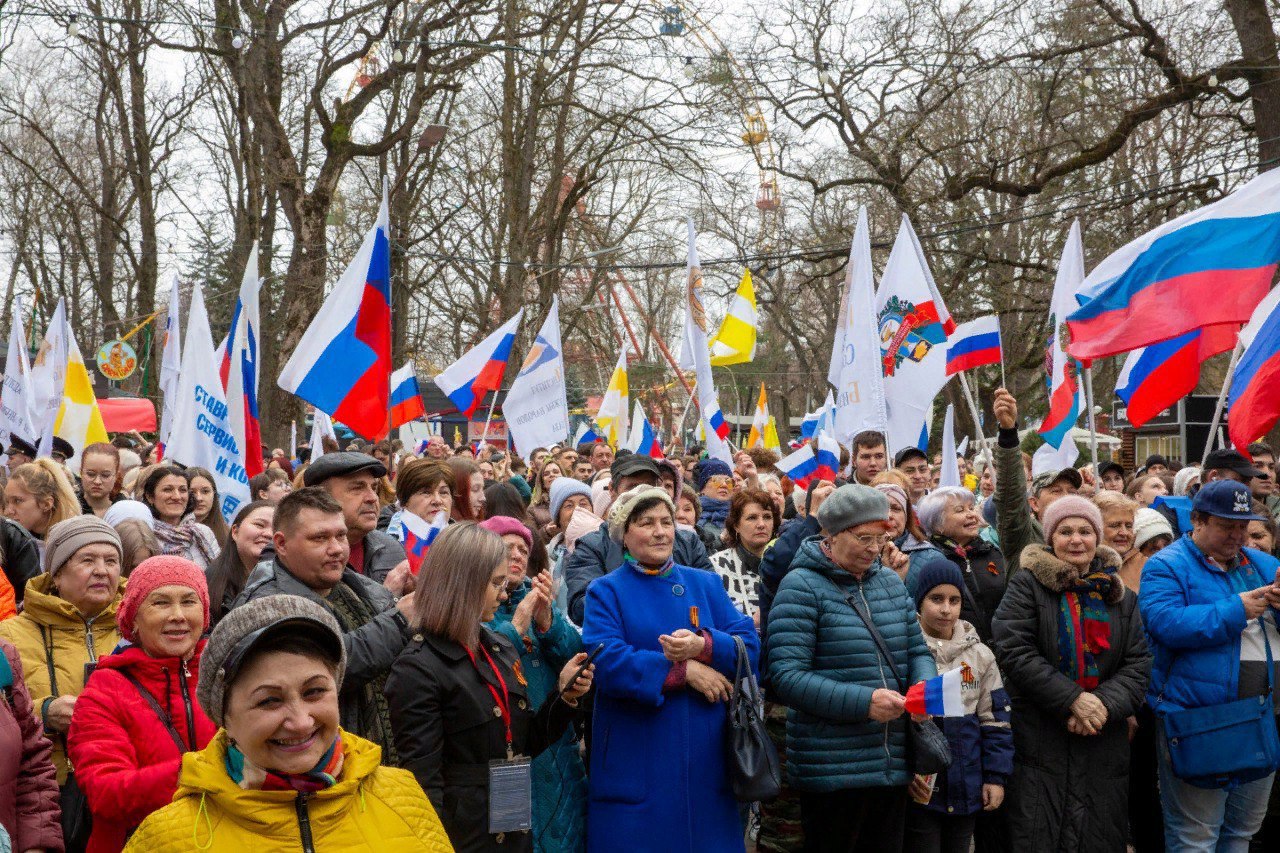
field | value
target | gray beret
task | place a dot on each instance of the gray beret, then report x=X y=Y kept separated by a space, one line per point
x=851 y=505
x=246 y=626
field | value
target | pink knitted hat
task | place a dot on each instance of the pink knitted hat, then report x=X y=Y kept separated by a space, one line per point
x=504 y=524
x=151 y=574
x=1071 y=506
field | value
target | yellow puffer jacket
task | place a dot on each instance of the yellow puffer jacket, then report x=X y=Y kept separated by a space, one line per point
x=47 y=620
x=371 y=808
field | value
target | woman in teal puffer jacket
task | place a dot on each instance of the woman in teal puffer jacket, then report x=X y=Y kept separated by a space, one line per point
x=546 y=641
x=846 y=729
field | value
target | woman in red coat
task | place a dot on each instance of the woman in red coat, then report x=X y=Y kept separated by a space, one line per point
x=138 y=714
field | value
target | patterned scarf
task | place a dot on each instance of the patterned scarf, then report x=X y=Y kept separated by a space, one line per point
x=946 y=543
x=1084 y=627
x=181 y=537
x=661 y=572
x=250 y=776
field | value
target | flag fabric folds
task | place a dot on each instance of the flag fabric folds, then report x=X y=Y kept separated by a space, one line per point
x=536 y=406
x=243 y=346
x=974 y=344
x=771 y=441
x=615 y=407
x=1155 y=378
x=1066 y=402
x=826 y=458
x=696 y=354
x=418 y=536
x=801 y=466
x=1254 y=398
x=342 y=365
x=1209 y=266
x=939 y=696
x=950 y=473
x=406 y=399
x=735 y=343
x=856 y=370
x=760 y=421
x=642 y=439
x=15 y=400
x=79 y=419
x=480 y=369
x=321 y=428
x=170 y=361
x=585 y=435
x=49 y=379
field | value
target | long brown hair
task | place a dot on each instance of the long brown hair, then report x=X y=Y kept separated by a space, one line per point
x=462 y=469
x=451 y=584
x=214 y=520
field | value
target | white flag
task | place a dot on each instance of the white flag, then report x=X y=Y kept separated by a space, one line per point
x=536 y=407
x=201 y=435
x=950 y=473
x=321 y=428
x=15 y=400
x=713 y=421
x=293 y=440
x=49 y=378
x=856 y=369
x=171 y=361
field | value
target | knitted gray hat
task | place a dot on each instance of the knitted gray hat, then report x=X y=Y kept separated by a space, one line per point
x=624 y=507
x=67 y=537
x=248 y=625
x=851 y=505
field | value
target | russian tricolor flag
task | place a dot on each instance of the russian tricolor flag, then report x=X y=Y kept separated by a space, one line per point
x=1156 y=377
x=801 y=466
x=418 y=536
x=1254 y=398
x=1208 y=267
x=641 y=439
x=718 y=423
x=406 y=399
x=1065 y=400
x=827 y=459
x=974 y=344
x=939 y=696
x=241 y=378
x=342 y=365
x=479 y=371
x=585 y=435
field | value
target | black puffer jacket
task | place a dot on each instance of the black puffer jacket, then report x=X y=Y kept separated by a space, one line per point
x=20 y=554
x=1068 y=792
x=982 y=566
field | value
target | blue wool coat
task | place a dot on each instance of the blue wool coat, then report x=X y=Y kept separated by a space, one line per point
x=1194 y=617
x=559 y=779
x=658 y=776
x=824 y=666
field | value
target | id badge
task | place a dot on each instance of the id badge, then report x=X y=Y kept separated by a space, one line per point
x=510 y=795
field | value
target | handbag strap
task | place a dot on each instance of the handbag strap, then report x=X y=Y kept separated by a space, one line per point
x=165 y=719
x=879 y=640
x=744 y=673
x=48 y=659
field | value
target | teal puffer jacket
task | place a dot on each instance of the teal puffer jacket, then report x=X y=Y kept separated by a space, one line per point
x=824 y=666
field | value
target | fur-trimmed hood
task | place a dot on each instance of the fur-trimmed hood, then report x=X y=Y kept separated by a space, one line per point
x=1058 y=576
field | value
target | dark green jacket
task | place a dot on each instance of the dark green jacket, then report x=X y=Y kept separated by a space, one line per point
x=1017 y=527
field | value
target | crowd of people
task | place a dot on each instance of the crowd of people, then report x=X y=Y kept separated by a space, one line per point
x=558 y=672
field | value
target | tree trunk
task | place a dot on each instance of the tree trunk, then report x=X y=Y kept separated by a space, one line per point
x=1261 y=59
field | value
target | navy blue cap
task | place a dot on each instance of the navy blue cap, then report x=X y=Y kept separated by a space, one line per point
x=1226 y=499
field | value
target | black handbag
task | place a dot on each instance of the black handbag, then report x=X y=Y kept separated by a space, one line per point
x=927 y=749
x=754 y=769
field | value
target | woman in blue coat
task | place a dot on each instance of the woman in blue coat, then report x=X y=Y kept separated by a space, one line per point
x=546 y=642
x=658 y=776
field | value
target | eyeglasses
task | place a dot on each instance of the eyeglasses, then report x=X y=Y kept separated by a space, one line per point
x=719 y=480
x=867 y=540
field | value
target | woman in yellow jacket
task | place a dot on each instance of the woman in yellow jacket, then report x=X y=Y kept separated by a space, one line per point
x=281 y=775
x=68 y=621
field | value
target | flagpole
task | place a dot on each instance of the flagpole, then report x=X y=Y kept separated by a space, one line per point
x=1093 y=431
x=484 y=436
x=972 y=399
x=1222 y=402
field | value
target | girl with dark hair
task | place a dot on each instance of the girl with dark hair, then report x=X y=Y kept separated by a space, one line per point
x=243 y=545
x=503 y=499
x=468 y=489
x=206 y=503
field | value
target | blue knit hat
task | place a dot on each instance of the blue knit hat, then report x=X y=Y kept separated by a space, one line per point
x=938 y=571
x=562 y=488
x=708 y=468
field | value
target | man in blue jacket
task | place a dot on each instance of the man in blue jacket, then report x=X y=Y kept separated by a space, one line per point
x=1209 y=606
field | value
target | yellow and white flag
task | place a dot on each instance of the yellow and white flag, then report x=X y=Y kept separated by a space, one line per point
x=771 y=435
x=760 y=422
x=735 y=343
x=79 y=420
x=614 y=408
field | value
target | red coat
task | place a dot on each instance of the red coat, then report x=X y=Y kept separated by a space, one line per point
x=124 y=758
x=28 y=783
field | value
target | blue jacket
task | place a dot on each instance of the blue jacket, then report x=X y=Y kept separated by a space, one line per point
x=824 y=666
x=1194 y=617
x=658 y=775
x=559 y=779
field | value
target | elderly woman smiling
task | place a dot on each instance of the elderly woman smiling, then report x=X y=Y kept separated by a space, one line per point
x=949 y=517
x=1070 y=644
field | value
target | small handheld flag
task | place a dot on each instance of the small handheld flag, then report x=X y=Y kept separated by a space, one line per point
x=801 y=466
x=418 y=536
x=406 y=399
x=938 y=696
x=974 y=344
x=480 y=369
x=585 y=435
x=827 y=458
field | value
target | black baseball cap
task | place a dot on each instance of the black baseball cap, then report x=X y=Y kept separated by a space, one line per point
x=1156 y=459
x=1111 y=465
x=341 y=464
x=632 y=464
x=908 y=453
x=1231 y=460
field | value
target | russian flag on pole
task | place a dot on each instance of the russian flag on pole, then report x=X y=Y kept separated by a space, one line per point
x=939 y=696
x=585 y=435
x=418 y=536
x=1207 y=267
x=1254 y=403
x=974 y=344
x=342 y=365
x=801 y=466
x=242 y=376
x=479 y=371
x=406 y=399
x=1065 y=400
x=1156 y=377
x=827 y=458
x=642 y=440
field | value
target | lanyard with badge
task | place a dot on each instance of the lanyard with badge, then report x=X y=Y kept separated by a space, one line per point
x=510 y=779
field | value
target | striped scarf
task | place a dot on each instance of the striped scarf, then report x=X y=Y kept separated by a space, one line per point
x=1084 y=627
x=249 y=776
